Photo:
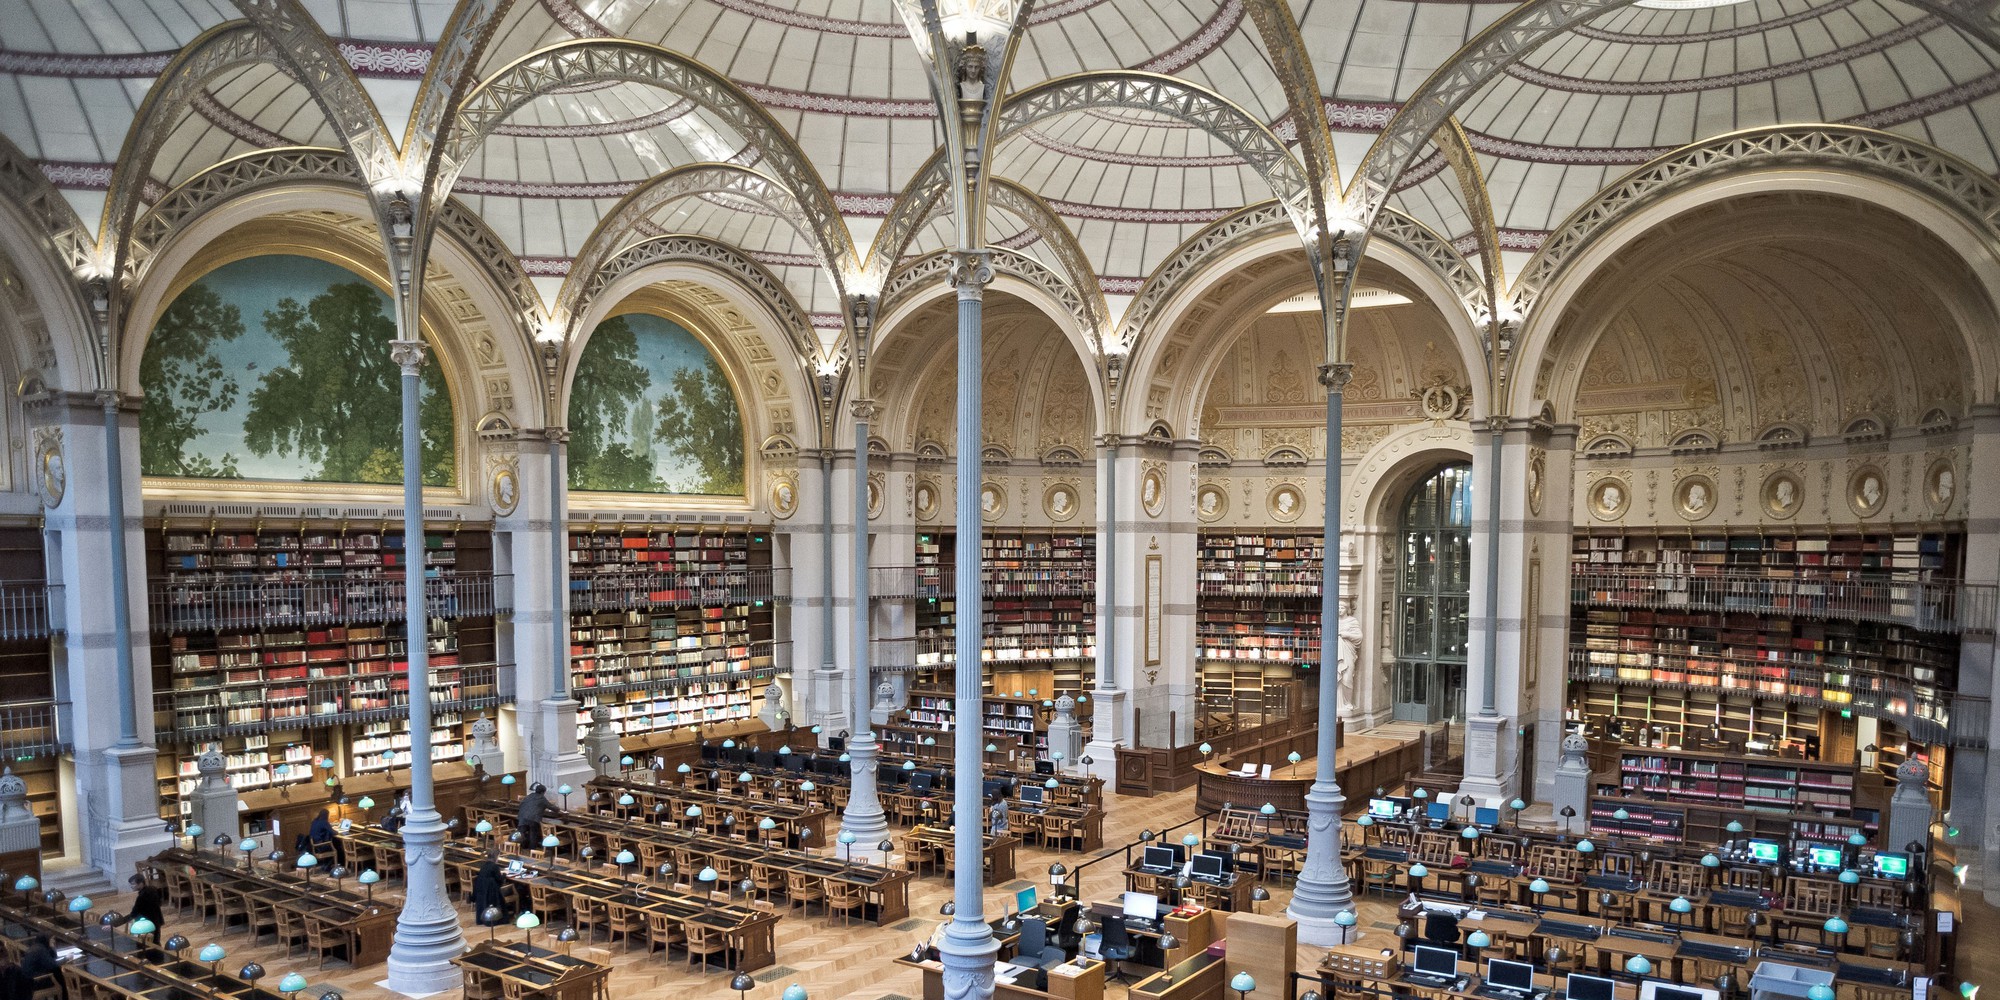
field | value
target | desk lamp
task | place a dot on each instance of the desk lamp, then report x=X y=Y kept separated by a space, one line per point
x=588 y=855
x=1638 y=965
x=1168 y=942
x=1819 y=991
x=194 y=832
x=213 y=955
x=369 y=878
x=507 y=786
x=491 y=917
x=1539 y=888
x=339 y=873
x=250 y=973
x=794 y=992
x=177 y=944
x=743 y=984
x=551 y=843
x=567 y=936
x=1258 y=894
x=1243 y=984
x=1056 y=873
x=1468 y=802
x=1567 y=813
x=332 y=994
x=846 y=839
x=291 y=985
x=527 y=922
x=306 y=863
x=25 y=885
x=249 y=848
x=1681 y=908
x=1479 y=940
x=1517 y=806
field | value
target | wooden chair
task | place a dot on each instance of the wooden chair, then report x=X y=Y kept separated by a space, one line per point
x=231 y=905
x=766 y=881
x=482 y=986
x=804 y=890
x=180 y=889
x=587 y=915
x=917 y=855
x=48 y=988
x=624 y=922
x=1882 y=942
x=845 y=898
x=663 y=933
x=263 y=917
x=323 y=937
x=548 y=903
x=291 y=928
x=703 y=941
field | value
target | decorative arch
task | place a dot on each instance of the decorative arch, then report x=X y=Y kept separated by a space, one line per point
x=309 y=56
x=1384 y=475
x=599 y=60
x=1061 y=241
x=60 y=234
x=1538 y=351
x=768 y=290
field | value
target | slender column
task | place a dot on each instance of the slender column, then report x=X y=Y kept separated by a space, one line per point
x=1489 y=681
x=863 y=816
x=558 y=567
x=427 y=932
x=1322 y=892
x=969 y=948
x=121 y=618
x=1107 y=679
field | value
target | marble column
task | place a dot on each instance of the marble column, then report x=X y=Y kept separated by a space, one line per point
x=536 y=539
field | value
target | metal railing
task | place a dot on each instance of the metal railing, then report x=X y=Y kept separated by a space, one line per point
x=762 y=672
x=623 y=591
x=1927 y=715
x=1971 y=721
x=939 y=582
x=1302 y=582
x=199 y=713
x=230 y=601
x=30 y=609
x=1932 y=605
x=33 y=728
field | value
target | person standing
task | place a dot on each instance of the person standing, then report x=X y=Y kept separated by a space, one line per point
x=528 y=820
x=146 y=904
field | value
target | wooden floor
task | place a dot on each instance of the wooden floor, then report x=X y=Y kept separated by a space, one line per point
x=831 y=959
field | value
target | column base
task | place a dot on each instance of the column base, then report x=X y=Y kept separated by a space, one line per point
x=863 y=816
x=1488 y=741
x=1321 y=931
x=1103 y=756
x=132 y=830
x=558 y=760
x=968 y=955
x=428 y=936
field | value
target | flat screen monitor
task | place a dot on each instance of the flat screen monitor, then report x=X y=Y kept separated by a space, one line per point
x=836 y=745
x=1588 y=988
x=993 y=788
x=794 y=763
x=1208 y=865
x=1437 y=961
x=1024 y=900
x=1403 y=802
x=1892 y=864
x=1159 y=858
x=1180 y=853
x=1142 y=905
x=1767 y=851
x=1382 y=808
x=710 y=752
x=1825 y=857
x=1654 y=989
x=767 y=758
x=1438 y=812
x=1511 y=975
x=1031 y=794
x=920 y=783
x=1484 y=816
x=1045 y=767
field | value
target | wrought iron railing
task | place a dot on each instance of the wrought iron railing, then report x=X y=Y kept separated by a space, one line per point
x=186 y=603
x=29 y=609
x=620 y=591
x=33 y=728
x=921 y=582
x=1932 y=605
x=1302 y=582
x=201 y=713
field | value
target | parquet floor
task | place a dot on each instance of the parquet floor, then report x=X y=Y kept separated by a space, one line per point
x=831 y=959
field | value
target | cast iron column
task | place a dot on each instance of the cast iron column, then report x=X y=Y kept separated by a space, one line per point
x=863 y=816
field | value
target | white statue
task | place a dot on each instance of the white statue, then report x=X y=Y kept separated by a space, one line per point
x=1209 y=500
x=1871 y=491
x=1944 y=487
x=1614 y=496
x=1697 y=498
x=1349 y=633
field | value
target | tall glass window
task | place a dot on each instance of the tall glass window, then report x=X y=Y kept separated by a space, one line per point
x=1433 y=586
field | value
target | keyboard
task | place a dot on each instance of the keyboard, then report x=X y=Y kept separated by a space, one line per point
x=1611 y=883
x=1636 y=934
x=1869 y=975
x=1500 y=868
x=1739 y=898
x=1875 y=916
x=1576 y=932
x=1713 y=952
x=1425 y=979
x=1297 y=843
x=1492 y=992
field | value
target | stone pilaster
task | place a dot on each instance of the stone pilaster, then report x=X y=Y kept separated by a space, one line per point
x=536 y=547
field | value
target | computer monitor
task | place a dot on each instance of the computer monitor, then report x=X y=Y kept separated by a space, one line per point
x=1382 y=808
x=1823 y=856
x=994 y=788
x=1767 y=851
x=1024 y=900
x=767 y=758
x=1892 y=864
x=794 y=763
x=1438 y=812
x=1484 y=816
x=1142 y=905
x=1045 y=767
x=1158 y=858
x=1654 y=989
x=1208 y=865
x=1510 y=975
x=1578 y=987
x=920 y=783
x=1180 y=853
x=1403 y=802
x=1437 y=961
x=836 y=746
x=1031 y=794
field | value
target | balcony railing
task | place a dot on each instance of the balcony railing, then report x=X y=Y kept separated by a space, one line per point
x=1931 y=605
x=226 y=602
x=940 y=582
x=625 y=591
x=32 y=728
x=29 y=609
x=202 y=713
x=1302 y=582
x=1925 y=711
x=1971 y=721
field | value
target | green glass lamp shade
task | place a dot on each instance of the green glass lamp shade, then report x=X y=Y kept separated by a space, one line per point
x=213 y=953
x=195 y=831
x=1710 y=861
x=909 y=765
x=527 y=921
x=482 y=827
x=1540 y=885
x=990 y=748
x=625 y=858
x=246 y=845
x=1191 y=840
x=1621 y=814
x=785 y=750
x=846 y=837
x=1735 y=826
x=1638 y=965
x=292 y=983
x=1419 y=871
x=694 y=812
x=370 y=877
x=1585 y=846
x=1819 y=991
x=1681 y=905
x=707 y=875
x=844 y=758
x=1345 y=918
x=728 y=744
x=1422 y=794
x=26 y=883
x=1517 y=805
x=807 y=786
x=140 y=927
x=1835 y=925
x=1850 y=877
x=564 y=790
x=1243 y=983
x=365 y=803
x=306 y=861
x=1293 y=757
x=1470 y=833
x=508 y=779
x=1480 y=939
x=626 y=761
x=1857 y=838
x=795 y=992
x=626 y=799
x=1268 y=809
x=1205 y=749
x=551 y=840
x=766 y=824
x=683 y=769
x=1365 y=821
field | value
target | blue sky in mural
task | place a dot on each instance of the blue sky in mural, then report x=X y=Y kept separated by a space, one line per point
x=255 y=286
x=664 y=349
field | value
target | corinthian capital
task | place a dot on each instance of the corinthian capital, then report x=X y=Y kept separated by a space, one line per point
x=409 y=354
x=971 y=270
x=864 y=410
x=1336 y=375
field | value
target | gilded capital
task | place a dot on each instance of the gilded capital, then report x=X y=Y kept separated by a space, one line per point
x=864 y=410
x=1336 y=375
x=971 y=271
x=409 y=354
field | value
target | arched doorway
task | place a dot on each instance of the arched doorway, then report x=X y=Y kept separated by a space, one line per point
x=1433 y=593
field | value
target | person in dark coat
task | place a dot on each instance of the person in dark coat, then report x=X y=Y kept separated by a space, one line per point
x=321 y=832
x=40 y=960
x=489 y=889
x=147 y=905
x=528 y=820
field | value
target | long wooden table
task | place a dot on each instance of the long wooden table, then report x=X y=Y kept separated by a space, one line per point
x=366 y=927
x=750 y=929
x=116 y=963
x=886 y=891
x=524 y=970
x=805 y=822
x=998 y=851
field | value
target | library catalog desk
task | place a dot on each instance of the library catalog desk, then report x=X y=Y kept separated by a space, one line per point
x=519 y=969
x=1198 y=977
x=1232 y=894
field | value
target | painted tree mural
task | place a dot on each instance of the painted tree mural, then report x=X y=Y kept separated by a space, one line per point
x=323 y=400
x=651 y=411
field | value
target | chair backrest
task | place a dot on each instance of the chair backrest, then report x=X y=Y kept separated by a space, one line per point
x=1034 y=937
x=1114 y=933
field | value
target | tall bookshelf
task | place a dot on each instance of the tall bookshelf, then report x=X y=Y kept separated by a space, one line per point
x=29 y=736
x=1257 y=617
x=287 y=646
x=1039 y=623
x=1857 y=622
x=1680 y=795
x=670 y=626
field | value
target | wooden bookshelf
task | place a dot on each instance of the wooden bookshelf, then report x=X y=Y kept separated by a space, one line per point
x=670 y=627
x=1850 y=622
x=1039 y=622
x=1686 y=795
x=1005 y=720
x=1257 y=617
x=287 y=646
x=29 y=736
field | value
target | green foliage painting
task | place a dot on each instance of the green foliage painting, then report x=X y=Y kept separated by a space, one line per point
x=278 y=367
x=650 y=411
